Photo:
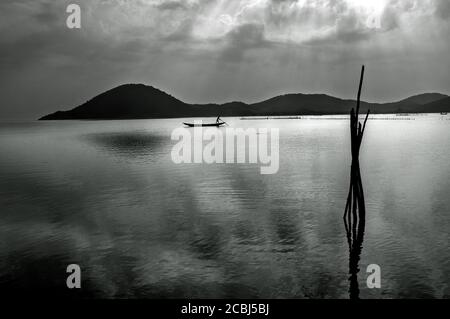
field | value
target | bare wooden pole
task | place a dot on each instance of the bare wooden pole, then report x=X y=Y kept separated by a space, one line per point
x=355 y=211
x=359 y=90
x=356 y=134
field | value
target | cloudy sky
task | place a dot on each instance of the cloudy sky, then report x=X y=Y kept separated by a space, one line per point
x=220 y=50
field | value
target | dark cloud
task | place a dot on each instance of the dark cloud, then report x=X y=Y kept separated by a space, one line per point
x=47 y=14
x=243 y=38
x=389 y=20
x=172 y=5
x=442 y=9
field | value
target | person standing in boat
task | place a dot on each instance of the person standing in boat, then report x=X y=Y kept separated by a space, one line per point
x=218 y=119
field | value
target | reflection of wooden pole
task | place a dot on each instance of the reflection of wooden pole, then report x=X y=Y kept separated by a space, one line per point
x=355 y=211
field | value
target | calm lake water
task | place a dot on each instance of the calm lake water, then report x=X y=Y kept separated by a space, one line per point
x=107 y=196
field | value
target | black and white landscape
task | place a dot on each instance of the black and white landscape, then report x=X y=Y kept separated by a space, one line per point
x=107 y=190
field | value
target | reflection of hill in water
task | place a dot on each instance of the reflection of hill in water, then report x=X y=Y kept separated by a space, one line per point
x=134 y=144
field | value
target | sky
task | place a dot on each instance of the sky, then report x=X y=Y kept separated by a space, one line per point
x=203 y=51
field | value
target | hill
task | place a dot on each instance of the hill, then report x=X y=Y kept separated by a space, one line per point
x=138 y=101
x=439 y=106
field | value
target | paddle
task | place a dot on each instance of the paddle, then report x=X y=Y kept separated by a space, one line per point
x=222 y=121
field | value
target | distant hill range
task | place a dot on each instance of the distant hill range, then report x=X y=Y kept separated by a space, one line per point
x=138 y=101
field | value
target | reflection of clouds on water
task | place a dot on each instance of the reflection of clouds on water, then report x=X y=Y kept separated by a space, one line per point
x=145 y=228
x=155 y=229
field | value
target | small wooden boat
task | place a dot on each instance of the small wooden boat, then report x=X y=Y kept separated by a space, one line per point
x=443 y=113
x=218 y=124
